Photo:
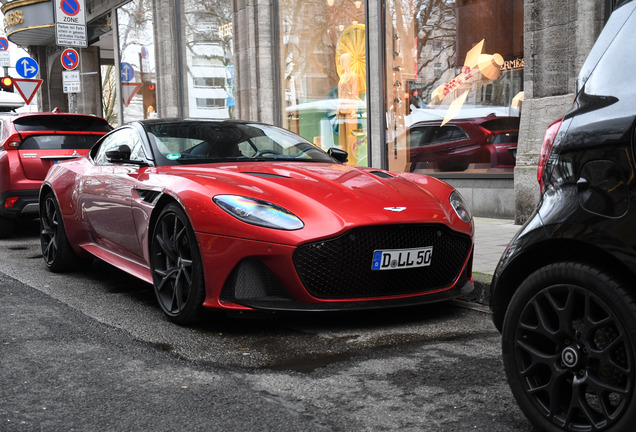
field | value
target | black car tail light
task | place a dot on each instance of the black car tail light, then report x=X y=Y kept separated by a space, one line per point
x=546 y=148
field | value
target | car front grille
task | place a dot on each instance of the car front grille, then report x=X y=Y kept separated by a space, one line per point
x=340 y=268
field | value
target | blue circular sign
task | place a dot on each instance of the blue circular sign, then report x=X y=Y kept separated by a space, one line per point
x=4 y=44
x=27 y=67
x=127 y=72
x=70 y=7
x=70 y=59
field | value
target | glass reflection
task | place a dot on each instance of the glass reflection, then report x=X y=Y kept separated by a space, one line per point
x=323 y=59
x=454 y=93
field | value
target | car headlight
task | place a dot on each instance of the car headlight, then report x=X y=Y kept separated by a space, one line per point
x=460 y=206
x=258 y=212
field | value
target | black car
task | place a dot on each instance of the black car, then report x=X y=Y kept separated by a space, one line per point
x=564 y=292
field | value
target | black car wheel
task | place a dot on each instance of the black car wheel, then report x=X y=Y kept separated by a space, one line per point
x=569 y=349
x=56 y=250
x=177 y=270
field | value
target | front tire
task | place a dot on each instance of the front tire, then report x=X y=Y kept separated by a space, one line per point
x=56 y=250
x=569 y=349
x=177 y=270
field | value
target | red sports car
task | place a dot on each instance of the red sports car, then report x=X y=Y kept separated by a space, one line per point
x=242 y=216
x=30 y=144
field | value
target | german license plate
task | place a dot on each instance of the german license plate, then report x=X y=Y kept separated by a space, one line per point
x=393 y=259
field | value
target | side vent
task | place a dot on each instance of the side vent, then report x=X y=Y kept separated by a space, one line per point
x=148 y=196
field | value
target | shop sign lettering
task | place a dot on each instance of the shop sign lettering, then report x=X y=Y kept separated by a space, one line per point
x=513 y=64
x=13 y=18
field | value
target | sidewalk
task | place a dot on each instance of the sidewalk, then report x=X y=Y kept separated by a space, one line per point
x=491 y=238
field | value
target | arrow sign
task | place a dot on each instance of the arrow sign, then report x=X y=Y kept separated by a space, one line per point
x=27 y=67
x=27 y=88
x=129 y=90
x=127 y=72
x=69 y=59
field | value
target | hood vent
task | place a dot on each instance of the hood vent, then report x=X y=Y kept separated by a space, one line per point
x=382 y=174
x=267 y=175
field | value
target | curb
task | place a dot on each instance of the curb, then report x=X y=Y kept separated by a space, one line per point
x=481 y=294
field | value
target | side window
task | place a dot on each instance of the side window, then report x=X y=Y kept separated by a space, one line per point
x=615 y=70
x=444 y=134
x=415 y=136
x=136 y=148
x=124 y=137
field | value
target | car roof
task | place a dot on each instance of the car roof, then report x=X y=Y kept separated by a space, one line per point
x=193 y=120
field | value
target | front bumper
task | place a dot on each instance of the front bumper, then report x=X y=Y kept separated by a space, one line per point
x=335 y=274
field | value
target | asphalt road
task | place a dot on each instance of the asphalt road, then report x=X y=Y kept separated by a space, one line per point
x=90 y=351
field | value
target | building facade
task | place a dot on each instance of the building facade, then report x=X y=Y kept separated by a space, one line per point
x=459 y=89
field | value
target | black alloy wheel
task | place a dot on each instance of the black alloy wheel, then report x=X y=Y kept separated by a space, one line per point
x=176 y=266
x=56 y=250
x=569 y=350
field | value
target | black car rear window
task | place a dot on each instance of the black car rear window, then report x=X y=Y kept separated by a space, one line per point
x=62 y=122
x=58 y=142
x=506 y=138
x=501 y=123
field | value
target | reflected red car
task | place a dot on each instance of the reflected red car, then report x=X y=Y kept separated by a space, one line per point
x=243 y=216
x=31 y=144
x=487 y=141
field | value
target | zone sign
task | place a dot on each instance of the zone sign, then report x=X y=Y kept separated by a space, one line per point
x=70 y=12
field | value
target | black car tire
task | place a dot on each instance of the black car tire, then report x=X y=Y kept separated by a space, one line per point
x=177 y=269
x=569 y=349
x=6 y=227
x=56 y=250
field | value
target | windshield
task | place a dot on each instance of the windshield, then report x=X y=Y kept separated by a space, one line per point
x=201 y=141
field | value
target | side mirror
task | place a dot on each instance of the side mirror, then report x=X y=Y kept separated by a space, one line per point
x=338 y=154
x=121 y=154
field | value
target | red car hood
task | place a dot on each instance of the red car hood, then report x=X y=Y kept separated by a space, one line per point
x=330 y=198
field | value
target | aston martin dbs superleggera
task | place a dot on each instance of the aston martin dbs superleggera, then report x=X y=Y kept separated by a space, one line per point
x=243 y=216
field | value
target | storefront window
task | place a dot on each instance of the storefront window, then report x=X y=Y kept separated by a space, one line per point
x=324 y=73
x=454 y=84
x=136 y=56
x=210 y=59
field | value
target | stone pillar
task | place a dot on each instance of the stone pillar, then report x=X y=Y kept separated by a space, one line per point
x=255 y=57
x=89 y=101
x=376 y=87
x=169 y=57
x=558 y=37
